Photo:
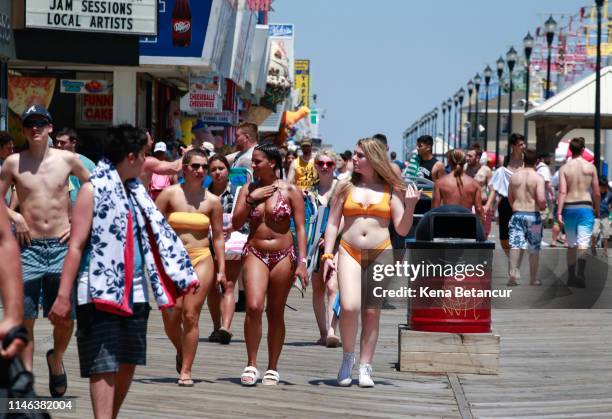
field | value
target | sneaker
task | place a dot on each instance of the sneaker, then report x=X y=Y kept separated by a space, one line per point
x=365 y=376
x=344 y=375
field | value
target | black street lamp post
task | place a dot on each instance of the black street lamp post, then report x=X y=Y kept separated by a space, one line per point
x=597 y=122
x=528 y=45
x=511 y=57
x=477 y=81
x=460 y=95
x=456 y=101
x=500 y=72
x=487 y=77
x=443 y=107
x=470 y=89
x=449 y=106
x=550 y=26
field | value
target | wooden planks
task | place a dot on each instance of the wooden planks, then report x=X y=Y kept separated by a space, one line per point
x=476 y=353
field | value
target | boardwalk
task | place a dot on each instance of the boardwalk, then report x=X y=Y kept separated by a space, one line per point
x=553 y=364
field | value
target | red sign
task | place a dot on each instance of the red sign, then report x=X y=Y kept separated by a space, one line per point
x=259 y=5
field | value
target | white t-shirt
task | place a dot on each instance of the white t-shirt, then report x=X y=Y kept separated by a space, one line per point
x=244 y=159
x=543 y=170
x=501 y=180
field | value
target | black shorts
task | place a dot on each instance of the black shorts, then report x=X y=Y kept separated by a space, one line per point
x=105 y=340
x=505 y=213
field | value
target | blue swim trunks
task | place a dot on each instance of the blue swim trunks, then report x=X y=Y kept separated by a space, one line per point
x=579 y=220
x=526 y=231
x=42 y=263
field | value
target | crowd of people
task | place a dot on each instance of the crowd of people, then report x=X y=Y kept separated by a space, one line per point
x=99 y=242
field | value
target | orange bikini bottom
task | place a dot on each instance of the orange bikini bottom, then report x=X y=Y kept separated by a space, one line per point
x=356 y=252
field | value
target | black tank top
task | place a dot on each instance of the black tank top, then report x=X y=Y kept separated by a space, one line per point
x=426 y=167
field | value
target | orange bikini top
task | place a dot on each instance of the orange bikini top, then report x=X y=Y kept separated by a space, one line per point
x=189 y=221
x=381 y=209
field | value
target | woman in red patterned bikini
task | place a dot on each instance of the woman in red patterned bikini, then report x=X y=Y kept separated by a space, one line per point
x=269 y=260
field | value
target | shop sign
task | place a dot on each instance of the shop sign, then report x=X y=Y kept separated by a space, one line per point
x=259 y=5
x=277 y=30
x=7 y=44
x=223 y=118
x=302 y=82
x=112 y=16
x=182 y=29
x=205 y=93
x=87 y=87
x=94 y=111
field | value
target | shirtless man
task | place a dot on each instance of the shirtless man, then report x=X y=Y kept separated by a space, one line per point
x=457 y=188
x=40 y=175
x=527 y=198
x=482 y=174
x=578 y=207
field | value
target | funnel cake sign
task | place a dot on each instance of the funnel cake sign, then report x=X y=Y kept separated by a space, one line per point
x=114 y=16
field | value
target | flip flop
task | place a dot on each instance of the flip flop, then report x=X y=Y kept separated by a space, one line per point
x=270 y=378
x=332 y=342
x=59 y=380
x=185 y=383
x=225 y=336
x=249 y=376
x=512 y=283
x=536 y=283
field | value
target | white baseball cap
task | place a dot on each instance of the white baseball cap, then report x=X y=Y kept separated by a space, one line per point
x=161 y=146
x=208 y=147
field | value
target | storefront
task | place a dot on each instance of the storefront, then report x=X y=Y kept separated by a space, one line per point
x=71 y=59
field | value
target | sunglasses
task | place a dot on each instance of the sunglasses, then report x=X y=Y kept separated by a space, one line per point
x=197 y=166
x=329 y=164
x=31 y=123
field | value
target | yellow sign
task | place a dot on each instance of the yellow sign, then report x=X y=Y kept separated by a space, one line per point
x=302 y=81
x=591 y=33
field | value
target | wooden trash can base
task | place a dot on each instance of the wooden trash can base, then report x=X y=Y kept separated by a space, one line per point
x=463 y=353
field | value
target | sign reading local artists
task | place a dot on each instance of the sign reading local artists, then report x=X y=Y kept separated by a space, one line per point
x=205 y=93
x=114 y=16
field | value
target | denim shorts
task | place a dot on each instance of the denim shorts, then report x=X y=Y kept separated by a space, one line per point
x=42 y=263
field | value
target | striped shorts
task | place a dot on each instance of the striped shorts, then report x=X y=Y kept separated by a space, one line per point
x=42 y=263
x=106 y=340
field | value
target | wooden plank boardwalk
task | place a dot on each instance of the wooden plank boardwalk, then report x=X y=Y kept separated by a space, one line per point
x=554 y=363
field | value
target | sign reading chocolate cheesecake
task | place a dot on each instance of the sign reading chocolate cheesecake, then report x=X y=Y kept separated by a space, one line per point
x=113 y=16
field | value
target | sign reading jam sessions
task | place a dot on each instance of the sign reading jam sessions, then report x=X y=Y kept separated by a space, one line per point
x=113 y=16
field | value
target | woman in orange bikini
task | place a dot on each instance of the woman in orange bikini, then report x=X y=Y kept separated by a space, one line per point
x=191 y=211
x=374 y=197
x=270 y=264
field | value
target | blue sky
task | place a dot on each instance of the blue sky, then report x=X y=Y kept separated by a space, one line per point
x=378 y=66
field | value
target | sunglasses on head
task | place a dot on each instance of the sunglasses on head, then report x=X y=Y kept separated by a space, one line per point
x=197 y=166
x=325 y=164
x=31 y=123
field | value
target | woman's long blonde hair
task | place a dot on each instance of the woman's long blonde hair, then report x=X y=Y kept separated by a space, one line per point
x=376 y=153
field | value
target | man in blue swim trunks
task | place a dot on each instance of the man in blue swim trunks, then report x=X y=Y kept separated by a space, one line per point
x=40 y=175
x=527 y=197
x=579 y=198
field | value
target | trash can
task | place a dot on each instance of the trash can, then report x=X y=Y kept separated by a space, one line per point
x=454 y=263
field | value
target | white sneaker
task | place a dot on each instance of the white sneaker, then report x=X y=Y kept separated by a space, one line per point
x=365 y=375
x=344 y=375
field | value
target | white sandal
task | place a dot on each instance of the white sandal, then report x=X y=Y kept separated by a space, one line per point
x=270 y=378
x=249 y=376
